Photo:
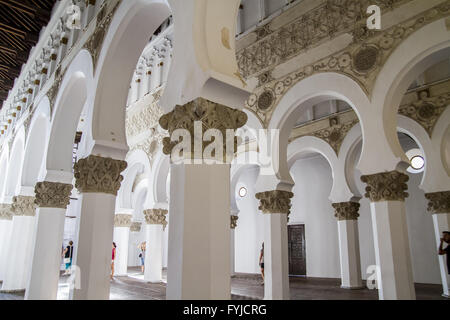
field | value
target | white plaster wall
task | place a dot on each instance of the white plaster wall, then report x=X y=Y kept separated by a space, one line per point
x=311 y=207
x=249 y=233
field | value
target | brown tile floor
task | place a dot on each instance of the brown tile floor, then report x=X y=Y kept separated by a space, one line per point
x=244 y=287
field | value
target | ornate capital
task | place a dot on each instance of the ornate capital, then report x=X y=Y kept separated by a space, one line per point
x=212 y=116
x=52 y=194
x=346 y=210
x=438 y=202
x=135 y=226
x=275 y=201
x=386 y=186
x=233 y=222
x=122 y=220
x=156 y=216
x=5 y=211
x=98 y=175
x=24 y=206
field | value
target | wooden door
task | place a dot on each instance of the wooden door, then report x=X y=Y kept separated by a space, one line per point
x=297 y=250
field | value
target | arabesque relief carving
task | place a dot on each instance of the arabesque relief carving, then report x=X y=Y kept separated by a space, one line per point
x=96 y=174
x=52 y=194
x=23 y=206
x=276 y=201
x=156 y=216
x=135 y=226
x=386 y=186
x=346 y=210
x=362 y=61
x=5 y=211
x=122 y=220
x=438 y=202
x=233 y=221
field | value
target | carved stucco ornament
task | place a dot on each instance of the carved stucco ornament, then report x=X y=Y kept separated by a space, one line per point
x=156 y=216
x=438 y=202
x=5 y=211
x=233 y=221
x=335 y=135
x=96 y=174
x=346 y=210
x=362 y=60
x=211 y=115
x=122 y=220
x=426 y=111
x=52 y=194
x=135 y=226
x=386 y=186
x=276 y=201
x=24 y=206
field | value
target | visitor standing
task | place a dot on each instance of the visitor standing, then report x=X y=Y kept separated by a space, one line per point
x=142 y=248
x=113 y=257
x=261 y=261
x=68 y=255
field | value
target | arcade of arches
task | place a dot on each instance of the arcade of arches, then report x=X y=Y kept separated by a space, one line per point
x=352 y=186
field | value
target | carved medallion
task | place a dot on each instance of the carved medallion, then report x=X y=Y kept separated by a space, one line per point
x=365 y=59
x=52 y=194
x=386 y=186
x=275 y=201
x=438 y=202
x=265 y=100
x=346 y=210
x=98 y=175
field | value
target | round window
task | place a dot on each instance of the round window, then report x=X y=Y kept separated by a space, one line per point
x=242 y=192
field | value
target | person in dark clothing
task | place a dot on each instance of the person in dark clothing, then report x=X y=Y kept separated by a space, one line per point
x=445 y=238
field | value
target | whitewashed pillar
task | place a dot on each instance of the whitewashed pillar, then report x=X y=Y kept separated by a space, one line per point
x=122 y=224
x=439 y=206
x=386 y=192
x=347 y=215
x=20 y=249
x=5 y=233
x=155 y=224
x=98 y=180
x=52 y=199
x=275 y=205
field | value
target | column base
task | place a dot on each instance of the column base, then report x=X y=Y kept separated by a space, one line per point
x=353 y=288
x=445 y=296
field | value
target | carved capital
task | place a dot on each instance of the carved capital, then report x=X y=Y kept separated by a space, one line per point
x=346 y=210
x=122 y=220
x=98 y=175
x=386 y=186
x=156 y=216
x=24 y=206
x=5 y=211
x=275 y=201
x=211 y=115
x=135 y=226
x=438 y=202
x=52 y=194
x=233 y=221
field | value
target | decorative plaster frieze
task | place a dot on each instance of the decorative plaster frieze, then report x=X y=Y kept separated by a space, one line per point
x=5 y=211
x=53 y=194
x=211 y=114
x=426 y=110
x=144 y=120
x=96 y=174
x=156 y=216
x=438 y=202
x=233 y=221
x=122 y=220
x=24 y=206
x=135 y=226
x=275 y=201
x=386 y=186
x=362 y=60
x=346 y=210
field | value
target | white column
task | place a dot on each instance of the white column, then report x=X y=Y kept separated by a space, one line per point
x=439 y=205
x=153 y=252
x=95 y=233
x=5 y=233
x=20 y=248
x=52 y=200
x=199 y=232
x=392 y=252
x=122 y=223
x=347 y=215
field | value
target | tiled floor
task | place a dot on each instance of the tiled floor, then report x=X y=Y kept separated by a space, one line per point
x=244 y=287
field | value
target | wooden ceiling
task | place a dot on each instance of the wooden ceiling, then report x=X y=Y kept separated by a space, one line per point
x=20 y=24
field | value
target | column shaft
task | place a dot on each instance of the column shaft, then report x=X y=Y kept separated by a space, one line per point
x=121 y=238
x=153 y=253
x=349 y=254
